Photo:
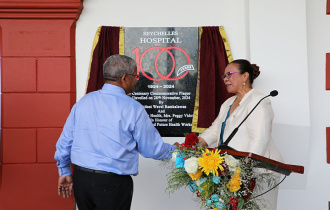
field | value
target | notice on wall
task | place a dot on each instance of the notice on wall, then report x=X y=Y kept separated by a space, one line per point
x=167 y=60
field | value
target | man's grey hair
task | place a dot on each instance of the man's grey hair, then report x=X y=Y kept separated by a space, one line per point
x=117 y=65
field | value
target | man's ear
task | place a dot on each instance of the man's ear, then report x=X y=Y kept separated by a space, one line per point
x=123 y=82
x=123 y=78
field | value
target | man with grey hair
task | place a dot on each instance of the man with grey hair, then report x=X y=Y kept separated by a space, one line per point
x=103 y=136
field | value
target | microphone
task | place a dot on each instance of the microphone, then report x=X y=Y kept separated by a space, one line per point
x=225 y=144
x=273 y=93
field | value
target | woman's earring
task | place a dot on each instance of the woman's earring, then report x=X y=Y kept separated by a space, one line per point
x=243 y=83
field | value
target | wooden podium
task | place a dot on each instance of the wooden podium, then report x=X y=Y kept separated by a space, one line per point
x=267 y=163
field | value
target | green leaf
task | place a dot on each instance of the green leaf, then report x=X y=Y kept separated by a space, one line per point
x=240 y=204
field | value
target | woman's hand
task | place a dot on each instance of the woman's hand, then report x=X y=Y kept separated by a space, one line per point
x=203 y=142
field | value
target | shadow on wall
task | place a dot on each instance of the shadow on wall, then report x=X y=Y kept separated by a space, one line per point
x=287 y=138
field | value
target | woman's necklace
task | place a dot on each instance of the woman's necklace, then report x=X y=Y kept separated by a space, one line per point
x=234 y=105
x=237 y=100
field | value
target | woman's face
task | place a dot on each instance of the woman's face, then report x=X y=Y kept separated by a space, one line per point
x=234 y=80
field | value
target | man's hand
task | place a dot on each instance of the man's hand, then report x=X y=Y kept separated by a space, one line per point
x=176 y=144
x=65 y=186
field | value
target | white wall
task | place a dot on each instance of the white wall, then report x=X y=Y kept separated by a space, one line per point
x=288 y=39
x=278 y=43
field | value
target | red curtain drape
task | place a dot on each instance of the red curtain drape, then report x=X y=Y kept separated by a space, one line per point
x=107 y=45
x=213 y=61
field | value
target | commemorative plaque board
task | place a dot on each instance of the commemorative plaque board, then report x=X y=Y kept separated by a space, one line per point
x=167 y=60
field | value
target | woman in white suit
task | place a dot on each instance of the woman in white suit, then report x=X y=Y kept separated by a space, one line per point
x=255 y=134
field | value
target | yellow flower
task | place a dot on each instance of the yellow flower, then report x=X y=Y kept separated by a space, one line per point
x=237 y=171
x=215 y=208
x=236 y=177
x=234 y=185
x=210 y=162
x=196 y=176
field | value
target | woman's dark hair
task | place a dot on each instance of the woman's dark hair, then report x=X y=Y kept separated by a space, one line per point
x=246 y=66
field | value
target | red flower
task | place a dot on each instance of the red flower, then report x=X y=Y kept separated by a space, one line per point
x=249 y=188
x=233 y=202
x=191 y=140
x=225 y=169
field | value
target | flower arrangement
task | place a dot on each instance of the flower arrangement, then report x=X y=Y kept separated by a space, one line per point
x=220 y=181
